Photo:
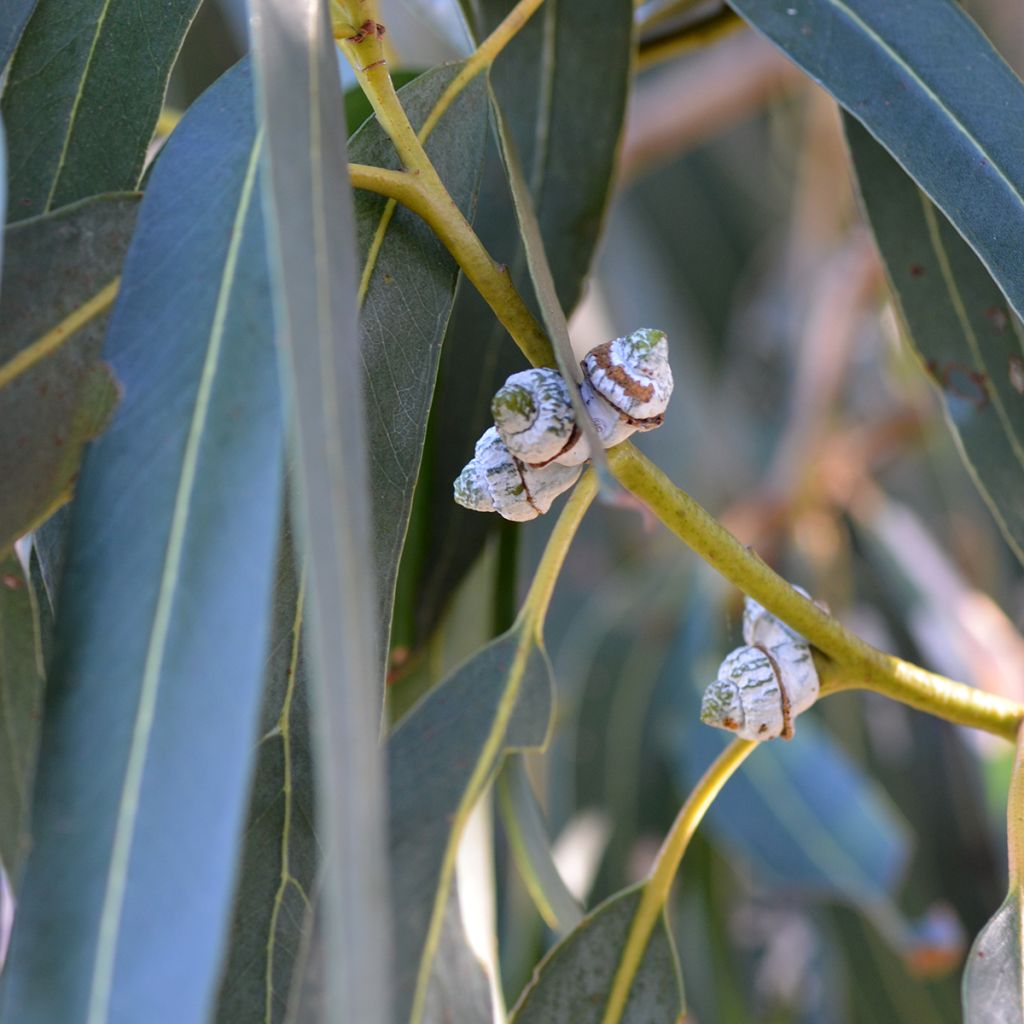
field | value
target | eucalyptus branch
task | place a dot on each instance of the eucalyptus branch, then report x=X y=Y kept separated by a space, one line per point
x=688 y=37
x=858 y=664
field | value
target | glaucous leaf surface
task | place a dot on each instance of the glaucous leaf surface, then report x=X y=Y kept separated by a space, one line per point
x=83 y=95
x=993 y=985
x=925 y=82
x=572 y=983
x=440 y=757
x=12 y=23
x=315 y=272
x=56 y=393
x=957 y=320
x=164 y=609
x=21 y=699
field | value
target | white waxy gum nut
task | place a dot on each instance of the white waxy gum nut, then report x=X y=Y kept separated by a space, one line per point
x=534 y=415
x=633 y=375
x=761 y=627
x=495 y=481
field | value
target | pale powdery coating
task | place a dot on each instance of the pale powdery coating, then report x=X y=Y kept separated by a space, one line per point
x=632 y=373
x=747 y=699
x=534 y=415
x=761 y=627
x=494 y=481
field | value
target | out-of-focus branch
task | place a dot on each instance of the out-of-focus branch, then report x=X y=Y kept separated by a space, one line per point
x=704 y=96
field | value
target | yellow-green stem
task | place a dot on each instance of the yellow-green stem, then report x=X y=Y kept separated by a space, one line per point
x=659 y=881
x=492 y=281
x=861 y=665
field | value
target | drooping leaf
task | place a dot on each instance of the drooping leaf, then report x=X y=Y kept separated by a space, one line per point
x=12 y=22
x=83 y=95
x=3 y=185
x=993 y=985
x=404 y=313
x=21 y=698
x=564 y=109
x=60 y=280
x=925 y=82
x=164 y=609
x=531 y=847
x=409 y=290
x=967 y=339
x=440 y=757
x=315 y=273
x=572 y=983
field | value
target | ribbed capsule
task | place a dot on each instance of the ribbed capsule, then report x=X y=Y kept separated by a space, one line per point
x=495 y=481
x=535 y=418
x=762 y=686
x=632 y=374
x=626 y=386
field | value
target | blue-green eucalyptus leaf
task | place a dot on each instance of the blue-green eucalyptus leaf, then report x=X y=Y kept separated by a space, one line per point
x=83 y=95
x=928 y=85
x=315 y=271
x=440 y=758
x=153 y=699
x=572 y=983
x=955 y=317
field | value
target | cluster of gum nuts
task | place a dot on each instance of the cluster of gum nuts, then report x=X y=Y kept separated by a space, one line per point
x=536 y=449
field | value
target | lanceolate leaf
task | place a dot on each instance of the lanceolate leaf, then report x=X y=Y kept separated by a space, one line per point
x=409 y=289
x=163 y=611
x=411 y=285
x=440 y=758
x=21 y=698
x=929 y=86
x=572 y=983
x=970 y=343
x=993 y=987
x=60 y=281
x=315 y=272
x=83 y=96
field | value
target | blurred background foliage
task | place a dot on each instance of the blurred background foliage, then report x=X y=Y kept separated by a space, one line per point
x=839 y=876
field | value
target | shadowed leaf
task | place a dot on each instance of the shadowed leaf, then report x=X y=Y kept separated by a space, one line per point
x=59 y=283
x=21 y=698
x=83 y=95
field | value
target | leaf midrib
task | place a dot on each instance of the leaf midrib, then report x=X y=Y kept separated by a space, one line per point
x=101 y=985
x=902 y=62
x=72 y=117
